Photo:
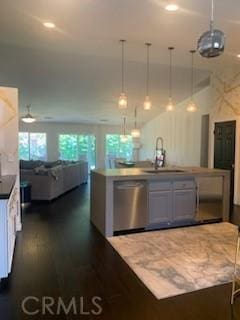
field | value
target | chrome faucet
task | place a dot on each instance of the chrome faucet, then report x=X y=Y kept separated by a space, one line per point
x=159 y=162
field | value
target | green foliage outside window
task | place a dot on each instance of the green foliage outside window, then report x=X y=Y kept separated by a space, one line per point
x=68 y=147
x=38 y=146
x=23 y=146
x=117 y=149
x=32 y=146
x=74 y=147
x=87 y=149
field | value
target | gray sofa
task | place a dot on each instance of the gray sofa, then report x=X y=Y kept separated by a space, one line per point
x=49 y=180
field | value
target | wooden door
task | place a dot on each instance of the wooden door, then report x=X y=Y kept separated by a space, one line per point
x=224 y=149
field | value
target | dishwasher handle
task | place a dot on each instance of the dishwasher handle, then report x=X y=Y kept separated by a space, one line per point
x=129 y=185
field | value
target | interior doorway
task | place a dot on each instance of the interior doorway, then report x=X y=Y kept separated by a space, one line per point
x=224 y=150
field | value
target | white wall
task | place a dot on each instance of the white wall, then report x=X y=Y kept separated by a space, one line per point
x=9 y=130
x=9 y=138
x=226 y=107
x=54 y=129
x=181 y=132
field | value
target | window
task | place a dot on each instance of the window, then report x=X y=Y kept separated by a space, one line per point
x=117 y=149
x=32 y=146
x=68 y=147
x=75 y=147
x=87 y=149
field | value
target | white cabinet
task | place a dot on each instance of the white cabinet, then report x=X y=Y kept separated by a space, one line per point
x=172 y=201
x=8 y=215
x=160 y=206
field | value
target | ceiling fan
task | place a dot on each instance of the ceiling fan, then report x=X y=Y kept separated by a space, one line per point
x=211 y=43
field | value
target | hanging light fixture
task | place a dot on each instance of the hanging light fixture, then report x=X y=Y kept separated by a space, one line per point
x=171 y=6
x=211 y=43
x=170 y=105
x=28 y=118
x=135 y=133
x=122 y=102
x=124 y=137
x=147 y=105
x=192 y=106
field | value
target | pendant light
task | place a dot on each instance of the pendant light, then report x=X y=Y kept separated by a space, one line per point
x=192 y=106
x=170 y=105
x=28 y=118
x=211 y=43
x=147 y=105
x=171 y=6
x=124 y=137
x=122 y=102
x=135 y=133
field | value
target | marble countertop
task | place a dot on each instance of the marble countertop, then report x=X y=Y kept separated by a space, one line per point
x=6 y=186
x=141 y=173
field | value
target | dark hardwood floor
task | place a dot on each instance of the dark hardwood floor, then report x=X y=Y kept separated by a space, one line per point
x=60 y=254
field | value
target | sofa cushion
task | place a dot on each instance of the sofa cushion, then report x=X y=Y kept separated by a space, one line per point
x=68 y=162
x=41 y=171
x=52 y=164
x=53 y=172
x=27 y=172
x=30 y=165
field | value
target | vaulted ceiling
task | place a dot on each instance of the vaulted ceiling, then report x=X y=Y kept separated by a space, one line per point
x=72 y=73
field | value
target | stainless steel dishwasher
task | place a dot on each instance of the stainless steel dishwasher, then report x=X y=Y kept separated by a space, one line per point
x=130 y=205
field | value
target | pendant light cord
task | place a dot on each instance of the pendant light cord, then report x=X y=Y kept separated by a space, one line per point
x=123 y=75
x=124 y=126
x=147 y=69
x=212 y=17
x=135 y=116
x=192 y=72
x=170 y=71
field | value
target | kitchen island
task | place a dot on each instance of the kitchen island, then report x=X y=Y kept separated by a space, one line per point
x=144 y=198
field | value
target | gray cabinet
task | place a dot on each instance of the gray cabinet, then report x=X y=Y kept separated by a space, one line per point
x=184 y=204
x=160 y=206
x=172 y=201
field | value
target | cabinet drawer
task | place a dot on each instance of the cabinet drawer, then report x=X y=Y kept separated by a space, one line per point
x=184 y=184
x=160 y=186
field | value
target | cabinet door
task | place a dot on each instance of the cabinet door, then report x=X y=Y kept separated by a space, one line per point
x=160 y=206
x=184 y=204
x=11 y=221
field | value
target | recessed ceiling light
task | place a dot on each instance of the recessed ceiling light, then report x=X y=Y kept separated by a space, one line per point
x=49 y=25
x=171 y=7
x=238 y=56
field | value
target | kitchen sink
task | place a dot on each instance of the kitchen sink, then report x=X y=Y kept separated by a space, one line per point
x=157 y=171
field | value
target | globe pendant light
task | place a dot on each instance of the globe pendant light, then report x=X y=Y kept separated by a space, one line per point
x=124 y=137
x=122 y=102
x=135 y=133
x=192 y=106
x=28 y=118
x=170 y=105
x=211 y=43
x=147 y=105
